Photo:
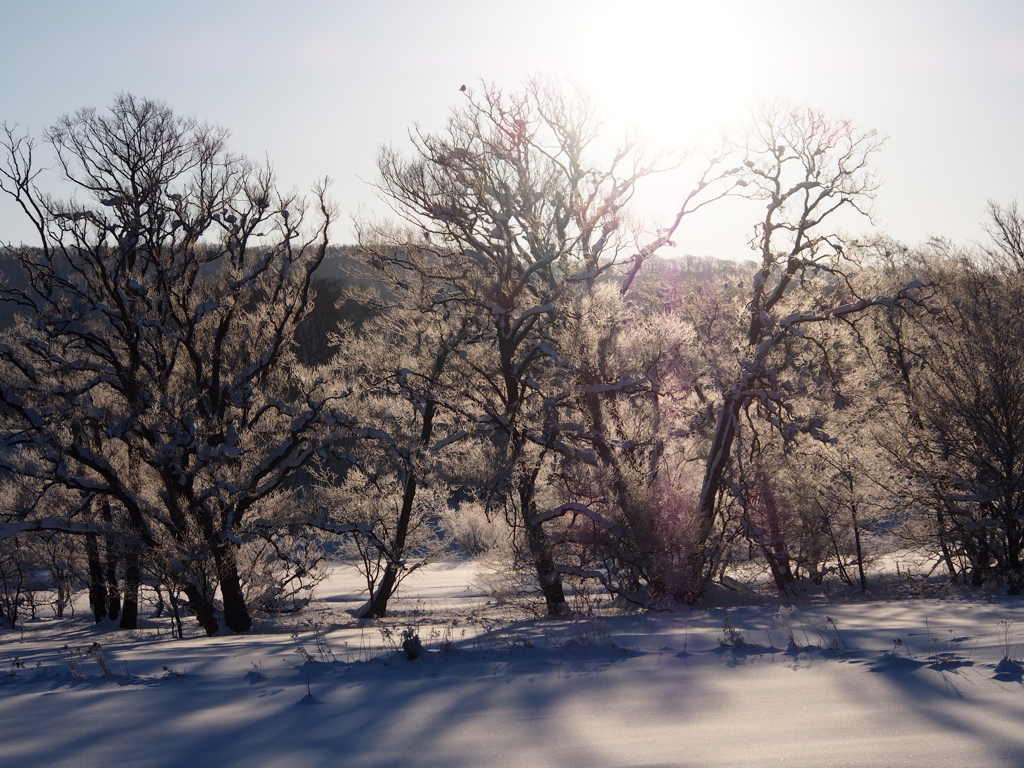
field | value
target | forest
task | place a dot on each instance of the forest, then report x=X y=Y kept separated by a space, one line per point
x=205 y=401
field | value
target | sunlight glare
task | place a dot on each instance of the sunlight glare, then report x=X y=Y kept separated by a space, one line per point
x=676 y=70
x=680 y=74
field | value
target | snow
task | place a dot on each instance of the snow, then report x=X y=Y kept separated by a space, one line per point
x=872 y=683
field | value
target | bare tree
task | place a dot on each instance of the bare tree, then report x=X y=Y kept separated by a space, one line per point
x=510 y=216
x=808 y=170
x=398 y=364
x=959 y=436
x=1006 y=228
x=152 y=372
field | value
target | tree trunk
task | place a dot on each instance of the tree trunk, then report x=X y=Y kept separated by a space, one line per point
x=378 y=608
x=172 y=598
x=775 y=550
x=860 y=551
x=159 y=610
x=547 y=574
x=97 y=589
x=541 y=553
x=236 y=613
x=63 y=598
x=550 y=579
x=202 y=606
x=944 y=539
x=702 y=560
x=113 y=594
x=130 y=608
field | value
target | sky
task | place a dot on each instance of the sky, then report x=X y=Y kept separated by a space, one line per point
x=317 y=86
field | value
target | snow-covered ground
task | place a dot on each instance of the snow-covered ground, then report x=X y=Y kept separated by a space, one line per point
x=905 y=683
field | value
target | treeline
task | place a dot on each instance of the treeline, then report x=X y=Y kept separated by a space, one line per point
x=193 y=403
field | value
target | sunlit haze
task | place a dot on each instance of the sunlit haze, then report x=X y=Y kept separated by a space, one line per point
x=317 y=86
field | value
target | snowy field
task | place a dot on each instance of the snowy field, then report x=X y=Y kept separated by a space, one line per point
x=904 y=683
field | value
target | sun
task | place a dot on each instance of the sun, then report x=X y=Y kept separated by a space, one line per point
x=681 y=74
x=675 y=69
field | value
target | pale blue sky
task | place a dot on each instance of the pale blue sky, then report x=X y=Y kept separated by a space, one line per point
x=316 y=86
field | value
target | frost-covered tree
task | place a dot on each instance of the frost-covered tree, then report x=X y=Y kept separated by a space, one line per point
x=957 y=432
x=397 y=363
x=635 y=364
x=808 y=170
x=151 y=373
x=511 y=215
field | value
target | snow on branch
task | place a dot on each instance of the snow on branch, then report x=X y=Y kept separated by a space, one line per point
x=50 y=524
x=577 y=509
x=626 y=385
x=452 y=438
x=331 y=526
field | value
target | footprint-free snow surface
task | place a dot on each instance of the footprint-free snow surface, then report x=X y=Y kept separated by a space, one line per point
x=876 y=683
